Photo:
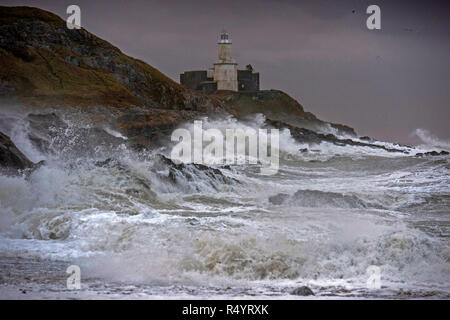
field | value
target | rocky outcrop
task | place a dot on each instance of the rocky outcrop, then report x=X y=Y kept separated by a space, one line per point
x=303 y=291
x=276 y=105
x=189 y=172
x=433 y=153
x=43 y=62
x=10 y=157
x=304 y=135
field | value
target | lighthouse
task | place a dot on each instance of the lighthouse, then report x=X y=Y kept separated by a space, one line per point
x=224 y=75
x=225 y=69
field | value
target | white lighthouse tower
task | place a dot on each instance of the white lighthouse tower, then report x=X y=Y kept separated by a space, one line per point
x=225 y=69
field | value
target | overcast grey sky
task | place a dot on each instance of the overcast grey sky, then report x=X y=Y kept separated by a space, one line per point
x=384 y=83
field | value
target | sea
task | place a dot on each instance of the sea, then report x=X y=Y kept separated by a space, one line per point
x=349 y=222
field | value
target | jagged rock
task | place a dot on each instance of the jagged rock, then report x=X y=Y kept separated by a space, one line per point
x=304 y=135
x=188 y=171
x=303 y=291
x=111 y=163
x=10 y=157
x=73 y=60
x=44 y=127
x=432 y=153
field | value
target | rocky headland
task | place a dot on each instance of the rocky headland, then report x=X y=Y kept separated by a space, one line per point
x=50 y=72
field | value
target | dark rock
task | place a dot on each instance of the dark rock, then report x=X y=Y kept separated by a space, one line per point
x=73 y=60
x=44 y=129
x=432 y=153
x=303 y=291
x=11 y=157
x=190 y=171
x=6 y=89
x=83 y=50
x=317 y=198
x=39 y=164
x=111 y=163
x=304 y=135
x=278 y=199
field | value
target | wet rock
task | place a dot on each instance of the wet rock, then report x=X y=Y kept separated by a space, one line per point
x=279 y=198
x=302 y=291
x=317 y=198
x=432 y=153
x=304 y=135
x=44 y=127
x=39 y=164
x=107 y=163
x=10 y=157
x=192 y=171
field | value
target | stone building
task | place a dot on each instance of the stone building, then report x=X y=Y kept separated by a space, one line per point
x=224 y=75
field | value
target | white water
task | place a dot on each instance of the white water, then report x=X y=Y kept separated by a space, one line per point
x=129 y=225
x=430 y=140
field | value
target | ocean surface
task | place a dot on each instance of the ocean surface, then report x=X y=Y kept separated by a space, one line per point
x=140 y=228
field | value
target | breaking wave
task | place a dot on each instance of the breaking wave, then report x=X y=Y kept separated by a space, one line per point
x=430 y=140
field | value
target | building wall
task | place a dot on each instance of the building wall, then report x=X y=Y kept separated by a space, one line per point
x=210 y=73
x=248 y=81
x=225 y=75
x=255 y=77
x=192 y=79
x=225 y=52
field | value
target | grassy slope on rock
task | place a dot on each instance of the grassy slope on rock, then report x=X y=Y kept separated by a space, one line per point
x=34 y=50
x=274 y=105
